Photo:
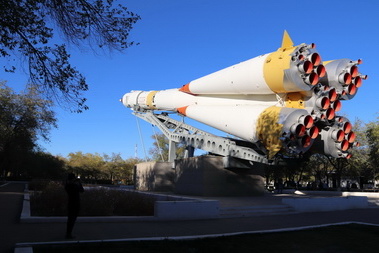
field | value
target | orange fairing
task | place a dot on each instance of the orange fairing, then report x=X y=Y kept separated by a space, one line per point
x=182 y=110
x=185 y=88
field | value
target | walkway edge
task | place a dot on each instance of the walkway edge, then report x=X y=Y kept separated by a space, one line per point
x=186 y=209
x=31 y=244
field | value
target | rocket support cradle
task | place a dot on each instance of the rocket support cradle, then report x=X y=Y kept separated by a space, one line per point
x=283 y=102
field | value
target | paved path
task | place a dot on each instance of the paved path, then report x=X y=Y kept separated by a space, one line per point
x=12 y=232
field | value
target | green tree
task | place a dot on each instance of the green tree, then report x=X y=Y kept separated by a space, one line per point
x=372 y=134
x=128 y=169
x=94 y=167
x=119 y=170
x=320 y=167
x=116 y=168
x=87 y=166
x=293 y=169
x=24 y=118
x=359 y=162
x=28 y=31
x=340 y=169
x=43 y=165
x=160 y=148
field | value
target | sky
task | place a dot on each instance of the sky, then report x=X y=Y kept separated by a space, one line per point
x=182 y=40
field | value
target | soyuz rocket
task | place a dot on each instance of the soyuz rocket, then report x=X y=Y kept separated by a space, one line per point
x=285 y=100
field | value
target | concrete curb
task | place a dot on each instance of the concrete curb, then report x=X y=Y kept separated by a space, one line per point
x=187 y=210
x=172 y=208
x=326 y=204
x=25 y=206
x=29 y=245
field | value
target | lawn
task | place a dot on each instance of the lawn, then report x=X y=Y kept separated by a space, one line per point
x=342 y=238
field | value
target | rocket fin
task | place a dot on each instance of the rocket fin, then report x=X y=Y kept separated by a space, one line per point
x=287 y=41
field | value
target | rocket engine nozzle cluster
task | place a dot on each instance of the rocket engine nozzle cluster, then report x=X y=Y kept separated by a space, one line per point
x=286 y=100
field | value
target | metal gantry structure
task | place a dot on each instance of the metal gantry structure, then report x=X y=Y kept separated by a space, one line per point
x=194 y=138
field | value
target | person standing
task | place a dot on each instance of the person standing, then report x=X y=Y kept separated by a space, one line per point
x=73 y=188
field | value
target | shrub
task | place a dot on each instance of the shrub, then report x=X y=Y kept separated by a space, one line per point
x=39 y=184
x=51 y=201
x=133 y=204
x=94 y=202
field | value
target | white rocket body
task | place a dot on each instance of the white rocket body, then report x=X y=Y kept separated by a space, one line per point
x=285 y=100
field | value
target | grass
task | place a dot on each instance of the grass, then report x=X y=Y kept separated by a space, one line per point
x=342 y=238
x=51 y=200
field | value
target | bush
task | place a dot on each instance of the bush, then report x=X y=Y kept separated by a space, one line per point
x=39 y=184
x=94 y=202
x=108 y=202
x=50 y=201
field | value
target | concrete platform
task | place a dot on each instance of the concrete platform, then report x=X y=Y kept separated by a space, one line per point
x=175 y=207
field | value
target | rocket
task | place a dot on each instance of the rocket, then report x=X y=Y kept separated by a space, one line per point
x=285 y=100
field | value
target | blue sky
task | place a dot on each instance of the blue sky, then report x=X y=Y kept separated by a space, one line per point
x=181 y=40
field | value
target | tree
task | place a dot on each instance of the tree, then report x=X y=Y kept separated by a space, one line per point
x=340 y=167
x=160 y=148
x=372 y=134
x=24 y=118
x=44 y=165
x=104 y=168
x=117 y=169
x=128 y=169
x=28 y=31
x=87 y=166
x=320 y=167
x=359 y=163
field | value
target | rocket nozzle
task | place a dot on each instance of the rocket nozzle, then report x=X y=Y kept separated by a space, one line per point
x=354 y=71
x=343 y=145
x=321 y=70
x=330 y=114
x=323 y=103
x=315 y=59
x=338 y=135
x=337 y=105
x=312 y=79
x=347 y=127
x=351 y=137
x=313 y=132
x=357 y=81
x=364 y=77
x=332 y=95
x=306 y=141
x=306 y=67
x=307 y=121
x=344 y=78
x=312 y=46
x=298 y=130
x=351 y=89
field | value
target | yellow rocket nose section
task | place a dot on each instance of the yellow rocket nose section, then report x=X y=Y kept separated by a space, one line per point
x=273 y=69
x=280 y=128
